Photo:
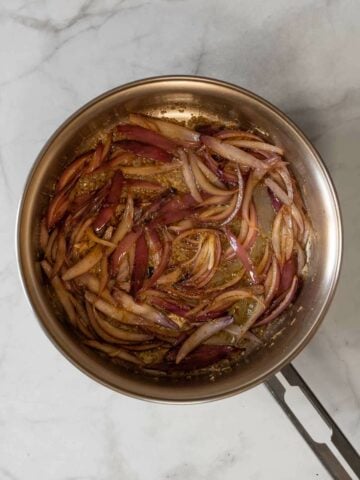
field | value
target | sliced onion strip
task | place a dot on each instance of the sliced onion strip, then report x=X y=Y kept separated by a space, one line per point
x=203 y=182
x=224 y=134
x=123 y=247
x=275 y=236
x=301 y=258
x=189 y=177
x=267 y=147
x=264 y=260
x=182 y=226
x=57 y=208
x=60 y=254
x=140 y=264
x=121 y=334
x=182 y=135
x=218 y=213
x=201 y=334
x=232 y=153
x=141 y=134
x=253 y=230
x=94 y=238
x=85 y=264
x=51 y=240
x=79 y=232
x=239 y=198
x=143 y=310
x=283 y=305
x=284 y=173
x=274 y=275
x=171 y=277
x=278 y=191
x=211 y=176
x=114 y=312
x=126 y=222
x=253 y=180
x=226 y=299
x=146 y=151
x=72 y=170
x=166 y=251
x=243 y=255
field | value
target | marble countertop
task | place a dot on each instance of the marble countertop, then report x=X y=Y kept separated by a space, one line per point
x=55 y=423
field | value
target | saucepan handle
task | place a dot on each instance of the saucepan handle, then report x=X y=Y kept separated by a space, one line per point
x=346 y=456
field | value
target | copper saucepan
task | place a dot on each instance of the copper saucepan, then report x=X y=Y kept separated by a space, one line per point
x=182 y=97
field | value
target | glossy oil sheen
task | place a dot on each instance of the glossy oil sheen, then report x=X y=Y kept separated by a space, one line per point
x=183 y=98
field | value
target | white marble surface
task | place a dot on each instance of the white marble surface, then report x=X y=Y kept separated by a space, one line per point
x=54 y=56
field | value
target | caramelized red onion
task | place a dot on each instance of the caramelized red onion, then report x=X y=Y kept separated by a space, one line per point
x=277 y=191
x=143 y=310
x=156 y=205
x=205 y=262
x=224 y=177
x=60 y=254
x=283 y=305
x=72 y=171
x=96 y=159
x=212 y=177
x=155 y=246
x=182 y=135
x=85 y=264
x=126 y=222
x=151 y=152
x=153 y=242
x=57 y=208
x=160 y=269
x=238 y=199
x=201 y=334
x=274 y=280
x=255 y=145
x=123 y=247
x=162 y=301
x=276 y=238
x=140 y=264
x=288 y=272
x=201 y=179
x=252 y=181
x=189 y=177
x=227 y=299
x=140 y=134
x=232 y=153
x=253 y=230
x=275 y=202
x=239 y=134
x=111 y=201
x=110 y=333
x=243 y=255
x=120 y=314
